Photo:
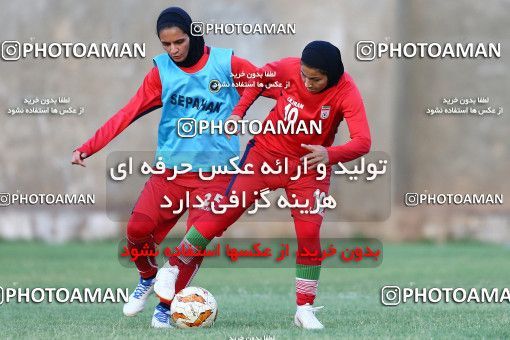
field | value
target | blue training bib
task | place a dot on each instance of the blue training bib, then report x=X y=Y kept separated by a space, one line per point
x=192 y=97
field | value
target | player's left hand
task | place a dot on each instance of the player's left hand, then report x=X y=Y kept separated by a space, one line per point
x=318 y=154
x=234 y=118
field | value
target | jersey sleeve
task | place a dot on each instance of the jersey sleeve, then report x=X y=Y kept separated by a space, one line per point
x=242 y=67
x=353 y=111
x=146 y=99
x=251 y=93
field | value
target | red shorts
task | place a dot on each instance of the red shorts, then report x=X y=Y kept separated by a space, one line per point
x=177 y=190
x=306 y=187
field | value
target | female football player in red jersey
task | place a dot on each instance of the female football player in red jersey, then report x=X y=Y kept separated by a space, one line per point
x=317 y=89
x=185 y=71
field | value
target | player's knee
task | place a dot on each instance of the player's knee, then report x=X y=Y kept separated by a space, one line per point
x=211 y=227
x=140 y=226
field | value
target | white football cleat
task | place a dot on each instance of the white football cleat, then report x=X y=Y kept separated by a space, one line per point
x=305 y=317
x=161 y=318
x=137 y=299
x=165 y=281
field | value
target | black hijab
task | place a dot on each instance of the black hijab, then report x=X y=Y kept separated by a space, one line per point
x=326 y=57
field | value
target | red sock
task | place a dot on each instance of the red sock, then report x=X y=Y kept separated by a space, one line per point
x=186 y=273
x=306 y=290
x=307 y=268
x=303 y=299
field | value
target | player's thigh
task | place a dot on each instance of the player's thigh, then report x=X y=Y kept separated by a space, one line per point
x=162 y=201
x=213 y=221
x=204 y=195
x=310 y=192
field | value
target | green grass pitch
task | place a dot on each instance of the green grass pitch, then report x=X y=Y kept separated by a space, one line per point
x=254 y=303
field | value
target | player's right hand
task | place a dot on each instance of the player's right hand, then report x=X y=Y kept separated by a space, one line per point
x=78 y=158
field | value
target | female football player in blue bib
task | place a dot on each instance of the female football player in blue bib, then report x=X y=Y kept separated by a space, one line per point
x=183 y=82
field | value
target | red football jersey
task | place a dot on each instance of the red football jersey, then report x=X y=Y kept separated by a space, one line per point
x=295 y=103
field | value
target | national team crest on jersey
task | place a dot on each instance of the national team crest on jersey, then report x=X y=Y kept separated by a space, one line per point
x=325 y=112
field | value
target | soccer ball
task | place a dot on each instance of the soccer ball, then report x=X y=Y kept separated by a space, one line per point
x=193 y=307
